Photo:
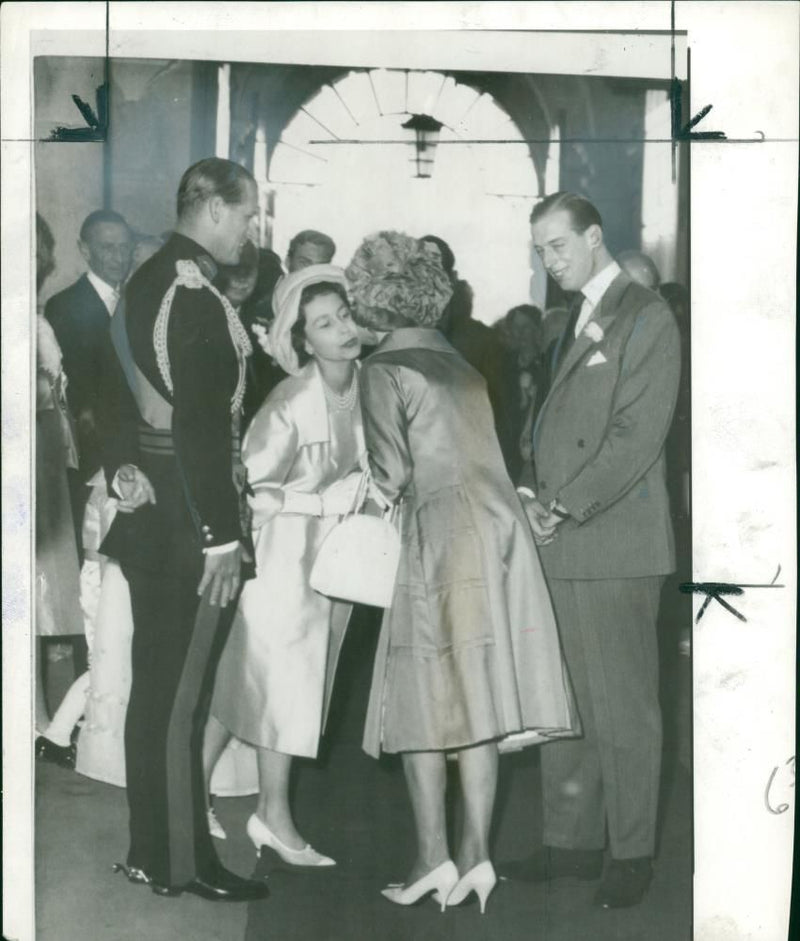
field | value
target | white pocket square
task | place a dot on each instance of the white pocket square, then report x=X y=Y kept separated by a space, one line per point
x=596 y=358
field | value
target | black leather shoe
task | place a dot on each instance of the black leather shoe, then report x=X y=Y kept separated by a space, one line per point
x=240 y=890
x=165 y=891
x=625 y=882
x=220 y=876
x=551 y=863
x=45 y=750
x=219 y=885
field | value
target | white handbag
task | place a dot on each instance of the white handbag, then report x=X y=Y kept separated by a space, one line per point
x=358 y=559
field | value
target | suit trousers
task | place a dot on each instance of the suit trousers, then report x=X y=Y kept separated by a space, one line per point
x=610 y=776
x=177 y=643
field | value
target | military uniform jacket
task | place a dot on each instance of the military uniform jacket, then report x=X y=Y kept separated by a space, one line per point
x=599 y=440
x=198 y=505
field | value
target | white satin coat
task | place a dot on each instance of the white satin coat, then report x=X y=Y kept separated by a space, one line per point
x=276 y=672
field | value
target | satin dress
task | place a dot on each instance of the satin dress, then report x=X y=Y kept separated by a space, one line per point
x=276 y=673
x=57 y=606
x=469 y=650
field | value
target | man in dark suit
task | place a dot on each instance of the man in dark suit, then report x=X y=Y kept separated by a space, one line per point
x=601 y=517
x=79 y=316
x=173 y=391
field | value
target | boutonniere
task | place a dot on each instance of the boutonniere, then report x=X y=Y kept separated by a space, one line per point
x=594 y=331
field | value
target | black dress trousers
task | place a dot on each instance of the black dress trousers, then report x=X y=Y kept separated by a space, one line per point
x=177 y=641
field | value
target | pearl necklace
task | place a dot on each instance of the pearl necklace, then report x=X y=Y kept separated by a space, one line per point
x=345 y=401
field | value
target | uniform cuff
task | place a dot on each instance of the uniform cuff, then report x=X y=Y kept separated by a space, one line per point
x=218 y=550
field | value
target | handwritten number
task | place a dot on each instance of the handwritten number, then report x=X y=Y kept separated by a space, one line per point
x=781 y=808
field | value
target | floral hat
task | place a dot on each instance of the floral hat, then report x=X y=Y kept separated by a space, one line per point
x=395 y=282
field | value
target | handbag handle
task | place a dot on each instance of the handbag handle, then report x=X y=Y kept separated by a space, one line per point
x=390 y=513
x=361 y=493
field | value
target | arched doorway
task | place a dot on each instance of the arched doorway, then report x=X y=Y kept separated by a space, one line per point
x=344 y=165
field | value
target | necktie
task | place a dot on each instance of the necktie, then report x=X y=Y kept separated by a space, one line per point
x=569 y=332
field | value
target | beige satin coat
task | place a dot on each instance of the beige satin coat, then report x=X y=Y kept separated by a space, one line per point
x=469 y=649
x=276 y=672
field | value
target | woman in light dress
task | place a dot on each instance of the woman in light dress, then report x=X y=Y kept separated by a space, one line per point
x=303 y=453
x=468 y=661
x=57 y=608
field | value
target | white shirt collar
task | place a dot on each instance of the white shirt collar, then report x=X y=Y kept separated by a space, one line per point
x=597 y=286
x=108 y=295
x=593 y=291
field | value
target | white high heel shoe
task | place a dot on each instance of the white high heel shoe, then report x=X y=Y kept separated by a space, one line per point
x=481 y=879
x=440 y=881
x=261 y=835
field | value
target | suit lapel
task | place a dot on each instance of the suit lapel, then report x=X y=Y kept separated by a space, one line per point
x=604 y=317
x=87 y=289
x=91 y=299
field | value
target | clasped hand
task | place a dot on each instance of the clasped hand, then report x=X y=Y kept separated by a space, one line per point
x=134 y=488
x=544 y=522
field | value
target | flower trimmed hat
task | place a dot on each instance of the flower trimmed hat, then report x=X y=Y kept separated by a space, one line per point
x=395 y=282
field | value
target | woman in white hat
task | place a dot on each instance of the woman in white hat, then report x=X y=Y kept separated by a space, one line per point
x=303 y=453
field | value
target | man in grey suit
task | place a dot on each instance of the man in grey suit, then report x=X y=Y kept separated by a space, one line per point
x=601 y=518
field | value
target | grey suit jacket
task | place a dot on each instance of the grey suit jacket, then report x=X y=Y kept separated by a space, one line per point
x=599 y=440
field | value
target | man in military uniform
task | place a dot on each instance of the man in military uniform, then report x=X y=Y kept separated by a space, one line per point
x=174 y=383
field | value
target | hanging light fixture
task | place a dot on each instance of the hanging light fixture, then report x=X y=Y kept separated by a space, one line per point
x=426 y=136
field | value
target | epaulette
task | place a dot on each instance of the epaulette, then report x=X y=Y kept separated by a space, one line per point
x=208 y=266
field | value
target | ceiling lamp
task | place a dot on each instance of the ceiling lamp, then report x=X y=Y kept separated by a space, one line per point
x=426 y=136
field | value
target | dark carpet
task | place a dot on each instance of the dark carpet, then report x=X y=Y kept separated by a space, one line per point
x=356 y=809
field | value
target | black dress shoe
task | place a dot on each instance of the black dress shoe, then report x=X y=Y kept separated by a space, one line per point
x=218 y=875
x=166 y=891
x=220 y=885
x=551 y=863
x=240 y=890
x=625 y=882
x=45 y=750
